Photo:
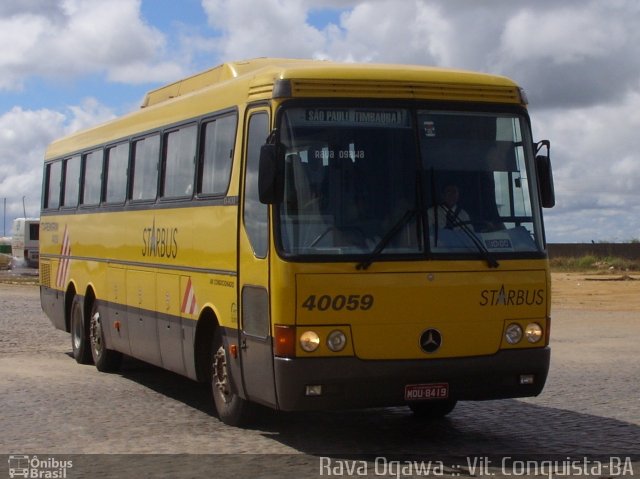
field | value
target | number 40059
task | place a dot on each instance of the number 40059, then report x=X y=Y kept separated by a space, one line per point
x=325 y=302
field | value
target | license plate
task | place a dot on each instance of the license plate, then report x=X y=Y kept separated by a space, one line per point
x=422 y=392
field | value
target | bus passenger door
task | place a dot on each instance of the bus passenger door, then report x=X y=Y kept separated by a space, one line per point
x=253 y=271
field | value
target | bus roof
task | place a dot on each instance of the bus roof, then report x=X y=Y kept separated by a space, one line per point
x=267 y=70
x=234 y=83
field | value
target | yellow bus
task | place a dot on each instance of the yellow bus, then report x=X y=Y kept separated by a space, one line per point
x=309 y=235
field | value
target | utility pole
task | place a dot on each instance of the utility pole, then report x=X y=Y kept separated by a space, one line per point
x=4 y=218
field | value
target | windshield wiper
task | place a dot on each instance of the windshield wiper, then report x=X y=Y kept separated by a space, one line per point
x=482 y=249
x=384 y=241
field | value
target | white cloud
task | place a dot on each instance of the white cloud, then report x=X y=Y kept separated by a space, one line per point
x=415 y=33
x=569 y=56
x=596 y=170
x=76 y=37
x=24 y=136
x=266 y=28
x=89 y=113
x=562 y=36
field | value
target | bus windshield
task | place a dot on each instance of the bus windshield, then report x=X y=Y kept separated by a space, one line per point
x=403 y=182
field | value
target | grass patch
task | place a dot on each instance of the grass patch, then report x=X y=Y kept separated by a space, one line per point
x=593 y=263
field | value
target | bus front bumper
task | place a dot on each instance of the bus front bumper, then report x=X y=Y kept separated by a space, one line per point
x=354 y=383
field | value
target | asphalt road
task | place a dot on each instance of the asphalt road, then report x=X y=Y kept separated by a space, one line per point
x=153 y=423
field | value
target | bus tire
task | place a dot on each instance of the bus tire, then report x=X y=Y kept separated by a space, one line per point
x=79 y=335
x=232 y=409
x=106 y=360
x=432 y=409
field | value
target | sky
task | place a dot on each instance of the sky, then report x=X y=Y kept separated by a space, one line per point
x=69 y=64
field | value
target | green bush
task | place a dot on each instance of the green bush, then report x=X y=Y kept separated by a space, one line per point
x=593 y=263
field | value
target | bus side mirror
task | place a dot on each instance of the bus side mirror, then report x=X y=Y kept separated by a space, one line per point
x=270 y=176
x=545 y=180
x=544 y=174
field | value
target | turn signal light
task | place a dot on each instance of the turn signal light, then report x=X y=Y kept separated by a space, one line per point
x=285 y=341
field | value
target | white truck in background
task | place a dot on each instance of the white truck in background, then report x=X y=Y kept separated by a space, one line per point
x=25 y=241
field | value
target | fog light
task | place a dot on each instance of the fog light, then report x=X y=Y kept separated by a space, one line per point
x=336 y=341
x=315 y=390
x=527 y=379
x=513 y=334
x=309 y=341
x=533 y=332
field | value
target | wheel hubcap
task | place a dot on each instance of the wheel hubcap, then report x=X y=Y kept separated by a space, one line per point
x=220 y=376
x=96 y=335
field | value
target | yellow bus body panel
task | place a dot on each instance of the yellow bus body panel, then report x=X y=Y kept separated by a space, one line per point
x=180 y=242
x=468 y=303
x=466 y=307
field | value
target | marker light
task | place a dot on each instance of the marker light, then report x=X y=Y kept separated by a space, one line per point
x=533 y=332
x=336 y=341
x=513 y=334
x=309 y=341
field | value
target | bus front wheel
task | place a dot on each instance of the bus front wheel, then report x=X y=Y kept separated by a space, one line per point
x=106 y=360
x=79 y=337
x=232 y=409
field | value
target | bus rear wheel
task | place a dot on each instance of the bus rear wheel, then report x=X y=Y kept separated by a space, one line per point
x=432 y=409
x=232 y=409
x=79 y=337
x=106 y=360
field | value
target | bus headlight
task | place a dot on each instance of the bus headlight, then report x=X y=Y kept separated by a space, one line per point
x=533 y=332
x=336 y=341
x=513 y=334
x=309 y=341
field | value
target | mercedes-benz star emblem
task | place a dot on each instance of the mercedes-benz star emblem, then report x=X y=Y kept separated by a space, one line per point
x=431 y=340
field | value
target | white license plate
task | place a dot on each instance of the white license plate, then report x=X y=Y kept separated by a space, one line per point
x=423 y=392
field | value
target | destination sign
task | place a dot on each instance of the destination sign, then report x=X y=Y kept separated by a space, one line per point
x=361 y=117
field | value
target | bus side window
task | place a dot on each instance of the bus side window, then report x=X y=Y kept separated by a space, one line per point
x=144 y=165
x=53 y=178
x=92 y=178
x=218 y=138
x=179 y=162
x=117 y=162
x=71 y=182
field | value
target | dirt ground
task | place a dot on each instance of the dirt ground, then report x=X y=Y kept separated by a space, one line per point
x=595 y=291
